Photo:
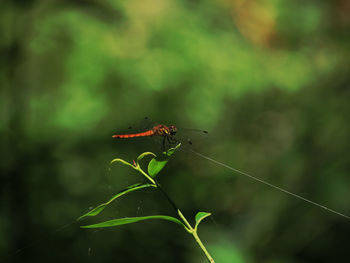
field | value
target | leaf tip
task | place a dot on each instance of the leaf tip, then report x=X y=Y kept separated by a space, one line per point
x=200 y=216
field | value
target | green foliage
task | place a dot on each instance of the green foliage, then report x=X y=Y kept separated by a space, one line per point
x=158 y=163
x=99 y=208
x=129 y=220
x=154 y=167
x=200 y=216
x=153 y=51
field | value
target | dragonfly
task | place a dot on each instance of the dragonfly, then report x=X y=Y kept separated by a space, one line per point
x=166 y=132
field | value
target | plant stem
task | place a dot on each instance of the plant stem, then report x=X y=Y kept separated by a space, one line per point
x=183 y=218
x=189 y=228
x=146 y=175
x=193 y=232
x=196 y=237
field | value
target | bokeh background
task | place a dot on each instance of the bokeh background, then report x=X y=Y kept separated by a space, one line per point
x=269 y=80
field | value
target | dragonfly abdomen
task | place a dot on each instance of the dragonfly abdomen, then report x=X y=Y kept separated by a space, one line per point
x=141 y=134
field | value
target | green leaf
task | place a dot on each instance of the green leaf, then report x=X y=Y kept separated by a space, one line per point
x=158 y=163
x=130 y=220
x=99 y=208
x=200 y=216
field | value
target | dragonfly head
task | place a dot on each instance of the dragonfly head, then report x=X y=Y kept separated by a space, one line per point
x=172 y=129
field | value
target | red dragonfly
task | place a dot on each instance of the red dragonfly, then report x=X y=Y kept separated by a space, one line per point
x=167 y=132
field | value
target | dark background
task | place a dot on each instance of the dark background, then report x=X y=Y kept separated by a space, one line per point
x=268 y=79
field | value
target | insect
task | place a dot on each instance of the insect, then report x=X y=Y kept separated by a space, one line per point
x=167 y=132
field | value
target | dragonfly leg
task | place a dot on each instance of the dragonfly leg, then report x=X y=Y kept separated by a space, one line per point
x=171 y=140
x=163 y=143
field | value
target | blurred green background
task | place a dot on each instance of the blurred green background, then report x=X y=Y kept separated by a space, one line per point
x=268 y=79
